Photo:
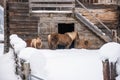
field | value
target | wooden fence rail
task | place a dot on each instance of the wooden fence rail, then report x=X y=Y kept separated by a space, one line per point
x=51 y=6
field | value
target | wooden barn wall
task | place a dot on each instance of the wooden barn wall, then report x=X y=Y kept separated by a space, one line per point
x=2 y=2
x=20 y=21
x=30 y=25
x=118 y=28
x=49 y=23
x=108 y=14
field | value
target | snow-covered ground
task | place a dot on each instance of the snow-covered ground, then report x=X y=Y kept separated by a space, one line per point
x=64 y=64
x=1 y=37
x=7 y=67
x=74 y=64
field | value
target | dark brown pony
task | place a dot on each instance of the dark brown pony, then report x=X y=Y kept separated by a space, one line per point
x=66 y=39
x=36 y=43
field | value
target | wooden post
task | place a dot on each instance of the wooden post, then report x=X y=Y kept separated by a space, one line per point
x=106 y=72
x=114 y=35
x=109 y=70
x=6 y=26
x=26 y=71
x=112 y=71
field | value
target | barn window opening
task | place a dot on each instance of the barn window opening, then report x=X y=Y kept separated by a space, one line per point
x=63 y=28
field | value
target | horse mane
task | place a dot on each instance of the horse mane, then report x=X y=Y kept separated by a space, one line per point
x=54 y=37
x=73 y=35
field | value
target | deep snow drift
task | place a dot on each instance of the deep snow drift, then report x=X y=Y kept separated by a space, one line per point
x=7 y=67
x=64 y=64
x=74 y=64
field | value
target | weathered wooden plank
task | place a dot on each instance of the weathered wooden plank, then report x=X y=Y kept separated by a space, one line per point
x=23 y=33
x=113 y=72
x=22 y=14
x=18 y=4
x=106 y=70
x=16 y=10
x=24 y=30
x=52 y=5
x=23 y=18
x=26 y=70
x=93 y=28
x=23 y=23
x=17 y=7
x=31 y=25
x=51 y=0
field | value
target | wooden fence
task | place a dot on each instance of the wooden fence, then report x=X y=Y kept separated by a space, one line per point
x=109 y=70
x=51 y=6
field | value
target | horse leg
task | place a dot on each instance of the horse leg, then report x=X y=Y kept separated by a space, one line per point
x=68 y=46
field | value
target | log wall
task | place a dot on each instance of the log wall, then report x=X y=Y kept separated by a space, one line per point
x=108 y=14
x=20 y=21
x=27 y=25
x=49 y=24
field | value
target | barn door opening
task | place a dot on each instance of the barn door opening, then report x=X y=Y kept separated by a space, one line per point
x=63 y=28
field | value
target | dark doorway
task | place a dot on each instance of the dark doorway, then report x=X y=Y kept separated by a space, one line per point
x=63 y=28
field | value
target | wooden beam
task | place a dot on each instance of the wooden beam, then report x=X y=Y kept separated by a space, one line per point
x=52 y=5
x=93 y=28
x=114 y=35
x=51 y=0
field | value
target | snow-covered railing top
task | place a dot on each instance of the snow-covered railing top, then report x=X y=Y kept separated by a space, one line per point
x=51 y=6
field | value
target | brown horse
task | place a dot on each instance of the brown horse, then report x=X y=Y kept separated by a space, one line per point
x=36 y=43
x=66 y=39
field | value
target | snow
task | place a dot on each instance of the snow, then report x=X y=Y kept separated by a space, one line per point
x=118 y=77
x=1 y=37
x=110 y=51
x=1 y=8
x=63 y=64
x=118 y=67
x=17 y=43
x=1 y=49
x=7 y=67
